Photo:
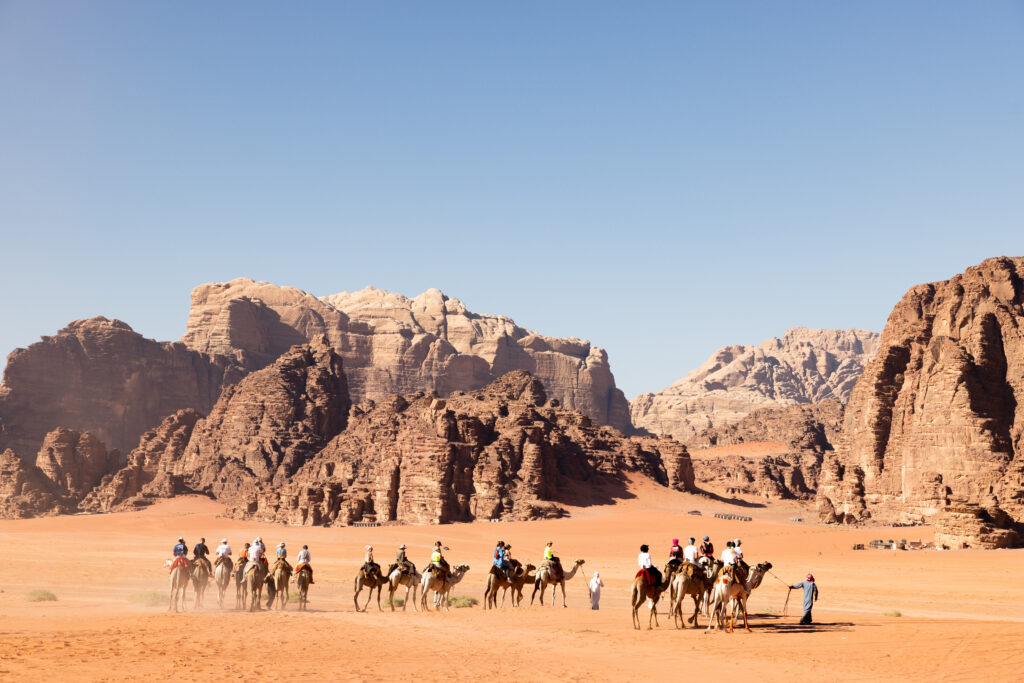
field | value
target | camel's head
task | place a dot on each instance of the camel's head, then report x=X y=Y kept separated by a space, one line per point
x=461 y=568
x=530 y=568
x=580 y=562
x=764 y=566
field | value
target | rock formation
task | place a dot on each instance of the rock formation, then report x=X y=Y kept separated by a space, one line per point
x=285 y=445
x=935 y=415
x=965 y=524
x=802 y=367
x=502 y=452
x=101 y=376
x=395 y=345
x=68 y=466
x=794 y=440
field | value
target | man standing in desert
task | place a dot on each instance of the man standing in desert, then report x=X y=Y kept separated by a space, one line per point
x=810 y=595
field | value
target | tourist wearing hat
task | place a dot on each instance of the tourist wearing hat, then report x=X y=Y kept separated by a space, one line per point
x=810 y=595
x=223 y=552
x=282 y=551
x=302 y=560
x=404 y=565
x=707 y=548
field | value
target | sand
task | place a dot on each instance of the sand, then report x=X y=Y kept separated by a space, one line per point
x=962 y=611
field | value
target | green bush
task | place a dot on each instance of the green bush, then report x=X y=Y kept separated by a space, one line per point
x=398 y=602
x=463 y=601
x=893 y=613
x=40 y=595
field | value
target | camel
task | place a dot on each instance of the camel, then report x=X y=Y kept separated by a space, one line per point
x=441 y=588
x=179 y=584
x=282 y=575
x=651 y=593
x=411 y=581
x=240 y=588
x=255 y=575
x=302 y=580
x=728 y=590
x=200 y=576
x=372 y=581
x=695 y=584
x=222 y=578
x=545 y=578
x=711 y=567
x=496 y=582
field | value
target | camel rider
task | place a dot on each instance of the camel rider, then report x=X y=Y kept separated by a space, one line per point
x=200 y=551
x=707 y=548
x=245 y=551
x=263 y=550
x=737 y=549
x=223 y=552
x=513 y=565
x=255 y=553
x=180 y=554
x=690 y=552
x=729 y=555
x=282 y=553
x=402 y=562
x=499 y=560
x=675 y=554
x=438 y=563
x=302 y=562
x=370 y=567
x=552 y=560
x=647 y=568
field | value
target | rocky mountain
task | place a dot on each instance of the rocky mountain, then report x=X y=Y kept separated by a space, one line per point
x=793 y=441
x=934 y=425
x=396 y=345
x=284 y=445
x=801 y=367
x=99 y=375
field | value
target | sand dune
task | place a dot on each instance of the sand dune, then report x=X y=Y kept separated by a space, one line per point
x=961 y=611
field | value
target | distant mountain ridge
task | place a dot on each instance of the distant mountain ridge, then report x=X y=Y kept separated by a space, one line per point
x=802 y=366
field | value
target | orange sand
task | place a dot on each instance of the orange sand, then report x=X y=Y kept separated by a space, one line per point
x=963 y=611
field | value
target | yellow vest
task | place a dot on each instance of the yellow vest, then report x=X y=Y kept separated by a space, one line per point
x=548 y=553
x=436 y=557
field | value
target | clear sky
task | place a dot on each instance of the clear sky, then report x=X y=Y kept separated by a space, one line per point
x=660 y=178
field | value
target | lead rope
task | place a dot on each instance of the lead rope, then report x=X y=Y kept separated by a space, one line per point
x=785 y=608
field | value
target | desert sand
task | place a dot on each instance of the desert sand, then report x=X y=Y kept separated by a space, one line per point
x=962 y=611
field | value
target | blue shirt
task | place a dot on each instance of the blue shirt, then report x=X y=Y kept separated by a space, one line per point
x=180 y=550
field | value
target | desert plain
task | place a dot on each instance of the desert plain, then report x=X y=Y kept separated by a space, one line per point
x=961 y=613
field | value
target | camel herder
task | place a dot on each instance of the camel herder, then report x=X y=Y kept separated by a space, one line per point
x=810 y=595
x=594 y=587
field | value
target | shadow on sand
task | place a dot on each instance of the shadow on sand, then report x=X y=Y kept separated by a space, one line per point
x=776 y=623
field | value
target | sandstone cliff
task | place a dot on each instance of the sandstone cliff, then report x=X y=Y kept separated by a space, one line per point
x=396 y=345
x=792 y=441
x=802 y=367
x=101 y=376
x=935 y=418
x=284 y=445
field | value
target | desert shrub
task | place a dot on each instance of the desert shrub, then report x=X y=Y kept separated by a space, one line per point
x=398 y=602
x=893 y=613
x=40 y=595
x=148 y=599
x=462 y=601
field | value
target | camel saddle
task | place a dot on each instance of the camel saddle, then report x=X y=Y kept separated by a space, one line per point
x=179 y=561
x=223 y=559
x=557 y=573
x=282 y=561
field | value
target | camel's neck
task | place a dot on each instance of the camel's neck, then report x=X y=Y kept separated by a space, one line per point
x=572 y=573
x=754 y=580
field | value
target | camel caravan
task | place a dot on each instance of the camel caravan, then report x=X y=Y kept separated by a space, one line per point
x=251 y=574
x=717 y=586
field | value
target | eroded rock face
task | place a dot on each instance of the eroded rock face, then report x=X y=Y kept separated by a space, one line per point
x=935 y=415
x=802 y=367
x=98 y=375
x=504 y=452
x=396 y=345
x=965 y=524
x=24 y=491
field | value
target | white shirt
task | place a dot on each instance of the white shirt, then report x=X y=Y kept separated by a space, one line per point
x=738 y=551
x=690 y=553
x=644 y=559
x=223 y=550
x=303 y=556
x=728 y=556
x=255 y=552
x=595 y=585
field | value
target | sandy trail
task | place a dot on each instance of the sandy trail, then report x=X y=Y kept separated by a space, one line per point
x=954 y=626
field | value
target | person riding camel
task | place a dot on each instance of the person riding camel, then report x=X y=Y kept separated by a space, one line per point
x=552 y=561
x=302 y=562
x=370 y=568
x=439 y=565
x=180 y=553
x=650 y=573
x=690 y=552
x=223 y=553
x=675 y=554
x=402 y=562
x=282 y=553
x=256 y=553
x=513 y=565
x=707 y=548
x=499 y=561
x=199 y=553
x=741 y=566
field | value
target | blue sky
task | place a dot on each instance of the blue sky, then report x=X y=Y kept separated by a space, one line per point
x=660 y=178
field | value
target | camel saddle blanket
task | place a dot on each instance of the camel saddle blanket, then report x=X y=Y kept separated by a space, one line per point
x=223 y=559
x=647 y=576
x=249 y=566
x=179 y=561
x=282 y=562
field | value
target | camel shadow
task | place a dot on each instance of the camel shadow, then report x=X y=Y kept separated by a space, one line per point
x=739 y=502
x=782 y=624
